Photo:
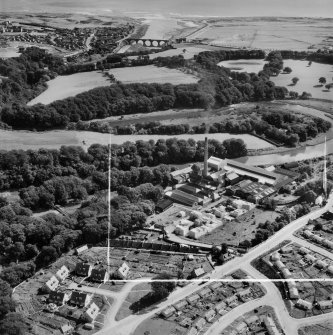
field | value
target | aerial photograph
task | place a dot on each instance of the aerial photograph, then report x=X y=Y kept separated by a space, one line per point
x=166 y=167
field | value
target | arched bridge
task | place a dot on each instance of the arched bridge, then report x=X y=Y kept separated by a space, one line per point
x=147 y=42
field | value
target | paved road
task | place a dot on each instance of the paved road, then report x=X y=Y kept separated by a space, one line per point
x=129 y=324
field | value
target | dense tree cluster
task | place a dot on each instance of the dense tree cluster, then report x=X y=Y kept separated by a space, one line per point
x=24 y=77
x=172 y=151
x=281 y=127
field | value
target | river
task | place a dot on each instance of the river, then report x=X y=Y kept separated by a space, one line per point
x=25 y=140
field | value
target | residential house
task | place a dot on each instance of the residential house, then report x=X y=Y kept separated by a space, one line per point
x=167 y=312
x=325 y=304
x=58 y=298
x=197 y=272
x=193 y=298
x=123 y=271
x=192 y=331
x=303 y=304
x=180 y=305
x=99 y=275
x=270 y=326
x=245 y=294
x=67 y=329
x=209 y=316
x=91 y=313
x=52 y=284
x=80 y=299
x=199 y=323
x=81 y=249
x=204 y=292
x=321 y=264
x=83 y=269
x=62 y=273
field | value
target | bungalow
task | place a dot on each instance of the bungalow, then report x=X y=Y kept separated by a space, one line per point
x=199 y=323
x=252 y=319
x=80 y=299
x=270 y=326
x=230 y=300
x=215 y=285
x=245 y=294
x=204 y=292
x=192 y=331
x=321 y=264
x=180 y=305
x=275 y=257
x=91 y=313
x=293 y=293
x=52 y=284
x=193 y=298
x=303 y=251
x=62 y=273
x=328 y=244
x=325 y=304
x=83 y=269
x=303 y=304
x=58 y=298
x=307 y=233
x=317 y=239
x=209 y=316
x=123 y=271
x=241 y=327
x=285 y=273
x=310 y=258
x=330 y=270
x=99 y=275
x=279 y=265
x=197 y=272
x=167 y=312
x=286 y=250
x=66 y=329
x=81 y=249
x=220 y=307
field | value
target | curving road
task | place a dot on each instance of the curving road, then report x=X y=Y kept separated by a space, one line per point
x=129 y=324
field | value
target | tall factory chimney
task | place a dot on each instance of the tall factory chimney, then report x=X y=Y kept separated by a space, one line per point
x=205 y=171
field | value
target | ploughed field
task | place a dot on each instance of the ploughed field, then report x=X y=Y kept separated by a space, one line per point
x=308 y=75
x=67 y=86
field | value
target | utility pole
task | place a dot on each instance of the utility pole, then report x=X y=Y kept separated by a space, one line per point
x=325 y=172
x=109 y=208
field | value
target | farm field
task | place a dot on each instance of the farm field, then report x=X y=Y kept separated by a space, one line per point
x=264 y=33
x=67 y=86
x=308 y=75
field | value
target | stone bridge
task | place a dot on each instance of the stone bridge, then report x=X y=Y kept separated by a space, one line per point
x=147 y=42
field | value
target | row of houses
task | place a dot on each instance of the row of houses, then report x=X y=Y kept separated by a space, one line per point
x=318 y=239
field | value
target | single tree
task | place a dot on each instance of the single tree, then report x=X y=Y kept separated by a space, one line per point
x=295 y=80
x=322 y=80
x=328 y=86
x=287 y=69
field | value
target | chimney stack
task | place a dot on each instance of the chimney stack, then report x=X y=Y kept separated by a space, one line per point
x=205 y=172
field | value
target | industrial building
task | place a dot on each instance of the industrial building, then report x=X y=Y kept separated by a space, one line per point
x=198 y=188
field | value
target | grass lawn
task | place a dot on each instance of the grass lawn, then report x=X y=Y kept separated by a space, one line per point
x=158 y=326
x=243 y=228
x=135 y=295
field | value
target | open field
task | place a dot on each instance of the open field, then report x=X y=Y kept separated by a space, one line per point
x=268 y=33
x=134 y=296
x=243 y=228
x=308 y=75
x=67 y=86
x=54 y=139
x=9 y=52
x=324 y=328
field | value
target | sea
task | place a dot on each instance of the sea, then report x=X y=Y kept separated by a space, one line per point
x=136 y=8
